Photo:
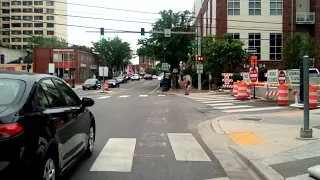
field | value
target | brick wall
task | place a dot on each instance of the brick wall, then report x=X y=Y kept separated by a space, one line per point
x=221 y=18
x=315 y=7
x=287 y=21
x=41 y=59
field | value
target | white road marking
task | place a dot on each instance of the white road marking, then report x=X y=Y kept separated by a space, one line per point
x=186 y=147
x=220 y=98
x=232 y=107
x=117 y=155
x=103 y=97
x=221 y=104
x=209 y=102
x=221 y=178
x=301 y=177
x=143 y=95
x=124 y=96
x=161 y=95
x=254 y=109
x=155 y=89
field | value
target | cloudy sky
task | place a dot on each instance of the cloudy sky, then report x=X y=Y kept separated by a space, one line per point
x=81 y=37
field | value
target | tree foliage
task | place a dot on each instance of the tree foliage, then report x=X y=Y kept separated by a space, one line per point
x=218 y=53
x=176 y=45
x=296 y=47
x=115 y=53
x=47 y=42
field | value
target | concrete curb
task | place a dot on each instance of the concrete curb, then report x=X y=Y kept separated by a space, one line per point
x=255 y=165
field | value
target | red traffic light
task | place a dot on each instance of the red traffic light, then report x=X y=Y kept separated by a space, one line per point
x=199 y=58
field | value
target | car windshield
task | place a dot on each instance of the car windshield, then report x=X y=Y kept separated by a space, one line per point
x=112 y=80
x=120 y=78
x=11 y=90
x=90 y=81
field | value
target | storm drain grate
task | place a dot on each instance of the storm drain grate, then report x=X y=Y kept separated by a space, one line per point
x=250 y=119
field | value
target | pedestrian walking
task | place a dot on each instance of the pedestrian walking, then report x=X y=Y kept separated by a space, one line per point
x=186 y=92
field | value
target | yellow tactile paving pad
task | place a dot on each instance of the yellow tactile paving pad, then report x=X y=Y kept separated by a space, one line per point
x=245 y=138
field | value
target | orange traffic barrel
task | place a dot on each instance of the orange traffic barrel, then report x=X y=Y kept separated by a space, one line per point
x=249 y=93
x=106 y=85
x=313 y=97
x=235 y=89
x=283 y=95
x=242 y=91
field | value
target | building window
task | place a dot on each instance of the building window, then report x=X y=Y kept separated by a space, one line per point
x=27 y=32
x=38 y=32
x=27 y=3
x=16 y=3
x=16 y=46
x=50 y=3
x=38 y=24
x=50 y=18
x=5 y=3
x=16 y=32
x=50 y=32
x=6 y=40
x=16 y=39
x=5 y=18
x=5 y=32
x=234 y=35
x=16 y=17
x=26 y=39
x=16 y=10
x=254 y=7
x=27 y=25
x=233 y=7
x=38 y=10
x=275 y=46
x=27 y=18
x=5 y=26
x=38 y=17
x=38 y=3
x=275 y=7
x=16 y=25
x=5 y=11
x=27 y=10
x=50 y=11
x=255 y=43
x=50 y=25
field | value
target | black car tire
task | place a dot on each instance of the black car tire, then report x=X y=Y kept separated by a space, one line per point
x=91 y=140
x=49 y=160
x=84 y=89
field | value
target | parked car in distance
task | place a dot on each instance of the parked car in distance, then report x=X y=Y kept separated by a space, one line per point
x=113 y=83
x=91 y=84
x=154 y=77
x=135 y=77
x=44 y=126
x=147 y=77
x=122 y=79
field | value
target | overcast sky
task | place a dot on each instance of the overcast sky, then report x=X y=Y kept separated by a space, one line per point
x=79 y=36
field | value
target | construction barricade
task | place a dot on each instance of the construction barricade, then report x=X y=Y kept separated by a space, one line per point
x=106 y=85
x=313 y=97
x=283 y=95
x=242 y=91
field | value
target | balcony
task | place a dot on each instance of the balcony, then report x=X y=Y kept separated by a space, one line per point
x=305 y=17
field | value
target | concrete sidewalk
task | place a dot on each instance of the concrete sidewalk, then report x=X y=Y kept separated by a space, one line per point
x=272 y=140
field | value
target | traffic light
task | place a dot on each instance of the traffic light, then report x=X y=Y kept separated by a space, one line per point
x=200 y=58
x=28 y=67
x=142 y=33
x=101 y=33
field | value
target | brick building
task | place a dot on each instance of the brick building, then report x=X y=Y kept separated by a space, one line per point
x=69 y=63
x=146 y=63
x=262 y=24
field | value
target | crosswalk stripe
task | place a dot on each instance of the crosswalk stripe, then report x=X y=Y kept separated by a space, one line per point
x=161 y=95
x=220 y=104
x=117 y=155
x=103 y=97
x=124 y=96
x=210 y=102
x=232 y=107
x=254 y=109
x=201 y=98
x=143 y=95
x=186 y=147
x=301 y=177
x=220 y=178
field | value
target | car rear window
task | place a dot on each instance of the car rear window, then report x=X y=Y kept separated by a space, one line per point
x=90 y=81
x=11 y=91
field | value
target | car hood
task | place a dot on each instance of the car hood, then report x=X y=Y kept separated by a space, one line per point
x=112 y=82
x=3 y=108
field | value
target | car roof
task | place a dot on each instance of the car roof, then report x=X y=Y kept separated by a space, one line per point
x=25 y=76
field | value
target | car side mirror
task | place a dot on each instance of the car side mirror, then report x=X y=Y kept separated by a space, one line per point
x=87 y=102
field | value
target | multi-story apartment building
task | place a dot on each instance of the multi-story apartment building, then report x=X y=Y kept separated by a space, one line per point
x=263 y=24
x=22 y=19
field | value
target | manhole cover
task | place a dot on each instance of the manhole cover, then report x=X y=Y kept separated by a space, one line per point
x=250 y=119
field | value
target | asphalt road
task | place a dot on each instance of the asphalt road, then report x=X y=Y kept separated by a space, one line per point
x=145 y=136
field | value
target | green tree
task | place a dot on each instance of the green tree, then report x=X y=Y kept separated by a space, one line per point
x=296 y=47
x=176 y=45
x=152 y=71
x=114 y=51
x=47 y=42
x=218 y=53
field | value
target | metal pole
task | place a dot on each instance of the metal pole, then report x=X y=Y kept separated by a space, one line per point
x=199 y=53
x=254 y=86
x=306 y=132
x=103 y=81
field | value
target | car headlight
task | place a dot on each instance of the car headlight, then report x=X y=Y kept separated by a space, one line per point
x=114 y=83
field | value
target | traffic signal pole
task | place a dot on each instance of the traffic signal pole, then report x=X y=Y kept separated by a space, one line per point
x=199 y=53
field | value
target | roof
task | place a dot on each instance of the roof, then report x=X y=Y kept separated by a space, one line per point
x=23 y=75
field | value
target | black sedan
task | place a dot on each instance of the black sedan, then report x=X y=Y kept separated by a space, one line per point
x=44 y=126
x=113 y=83
x=91 y=84
x=147 y=77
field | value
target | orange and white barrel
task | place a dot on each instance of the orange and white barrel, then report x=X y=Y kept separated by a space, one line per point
x=242 y=91
x=313 y=97
x=106 y=85
x=283 y=95
x=235 y=89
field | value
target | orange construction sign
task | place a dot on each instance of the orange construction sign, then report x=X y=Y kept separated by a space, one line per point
x=253 y=60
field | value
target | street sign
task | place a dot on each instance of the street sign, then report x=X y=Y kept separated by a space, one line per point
x=193 y=46
x=254 y=74
x=272 y=76
x=167 y=32
x=199 y=68
x=293 y=76
x=253 y=60
x=251 y=50
x=175 y=70
x=51 y=68
x=165 y=66
x=245 y=77
x=282 y=77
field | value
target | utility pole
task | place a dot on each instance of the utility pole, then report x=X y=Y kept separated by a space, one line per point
x=199 y=54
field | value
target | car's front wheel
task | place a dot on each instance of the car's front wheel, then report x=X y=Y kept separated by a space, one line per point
x=91 y=140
